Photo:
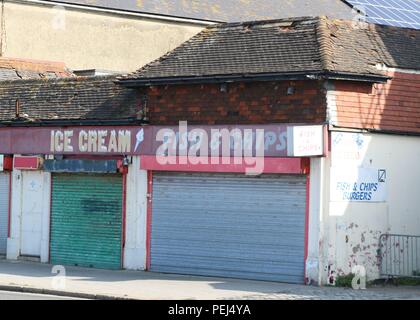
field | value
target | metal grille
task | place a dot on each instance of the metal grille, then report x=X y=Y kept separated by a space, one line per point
x=399 y=255
x=229 y=225
x=86 y=220
x=4 y=211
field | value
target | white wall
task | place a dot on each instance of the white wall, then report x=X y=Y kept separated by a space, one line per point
x=350 y=232
x=41 y=202
x=4 y=210
x=136 y=213
x=316 y=193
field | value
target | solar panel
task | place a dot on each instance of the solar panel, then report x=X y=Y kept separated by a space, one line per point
x=399 y=13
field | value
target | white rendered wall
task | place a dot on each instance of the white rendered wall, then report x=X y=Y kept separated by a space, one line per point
x=351 y=230
x=136 y=213
x=316 y=195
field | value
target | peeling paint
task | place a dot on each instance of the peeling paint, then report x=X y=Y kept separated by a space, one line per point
x=356 y=249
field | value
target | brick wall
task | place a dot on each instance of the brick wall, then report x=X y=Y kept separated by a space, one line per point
x=242 y=103
x=394 y=106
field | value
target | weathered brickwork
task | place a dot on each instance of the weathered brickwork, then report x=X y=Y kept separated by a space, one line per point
x=394 y=106
x=237 y=103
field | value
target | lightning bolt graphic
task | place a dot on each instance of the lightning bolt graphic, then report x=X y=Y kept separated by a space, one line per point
x=139 y=139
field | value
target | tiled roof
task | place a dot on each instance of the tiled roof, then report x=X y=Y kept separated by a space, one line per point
x=227 y=10
x=287 y=46
x=354 y=48
x=97 y=98
x=14 y=69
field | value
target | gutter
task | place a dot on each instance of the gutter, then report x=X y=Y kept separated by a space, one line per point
x=119 y=12
x=375 y=131
x=76 y=122
x=131 y=83
x=356 y=77
x=353 y=7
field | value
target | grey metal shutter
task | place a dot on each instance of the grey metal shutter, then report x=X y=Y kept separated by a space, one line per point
x=4 y=211
x=229 y=225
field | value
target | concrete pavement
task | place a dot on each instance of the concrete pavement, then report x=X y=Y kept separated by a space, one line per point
x=122 y=284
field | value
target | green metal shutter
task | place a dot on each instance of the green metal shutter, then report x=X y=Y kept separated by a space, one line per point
x=86 y=220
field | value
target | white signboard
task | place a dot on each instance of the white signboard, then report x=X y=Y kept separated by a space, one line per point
x=1 y=162
x=303 y=141
x=349 y=148
x=358 y=185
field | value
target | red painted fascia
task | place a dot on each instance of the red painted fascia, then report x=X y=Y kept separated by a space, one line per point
x=8 y=163
x=271 y=165
x=306 y=250
x=26 y=163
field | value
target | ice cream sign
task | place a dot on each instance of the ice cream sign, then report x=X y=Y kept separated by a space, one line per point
x=95 y=141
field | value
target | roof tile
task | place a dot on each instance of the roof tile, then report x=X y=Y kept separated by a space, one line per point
x=287 y=46
x=96 y=98
x=13 y=68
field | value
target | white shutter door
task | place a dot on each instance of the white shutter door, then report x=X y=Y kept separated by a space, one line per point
x=4 y=210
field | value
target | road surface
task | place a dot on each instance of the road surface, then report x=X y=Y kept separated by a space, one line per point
x=7 y=295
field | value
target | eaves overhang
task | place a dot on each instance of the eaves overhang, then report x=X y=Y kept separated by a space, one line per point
x=72 y=122
x=159 y=81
